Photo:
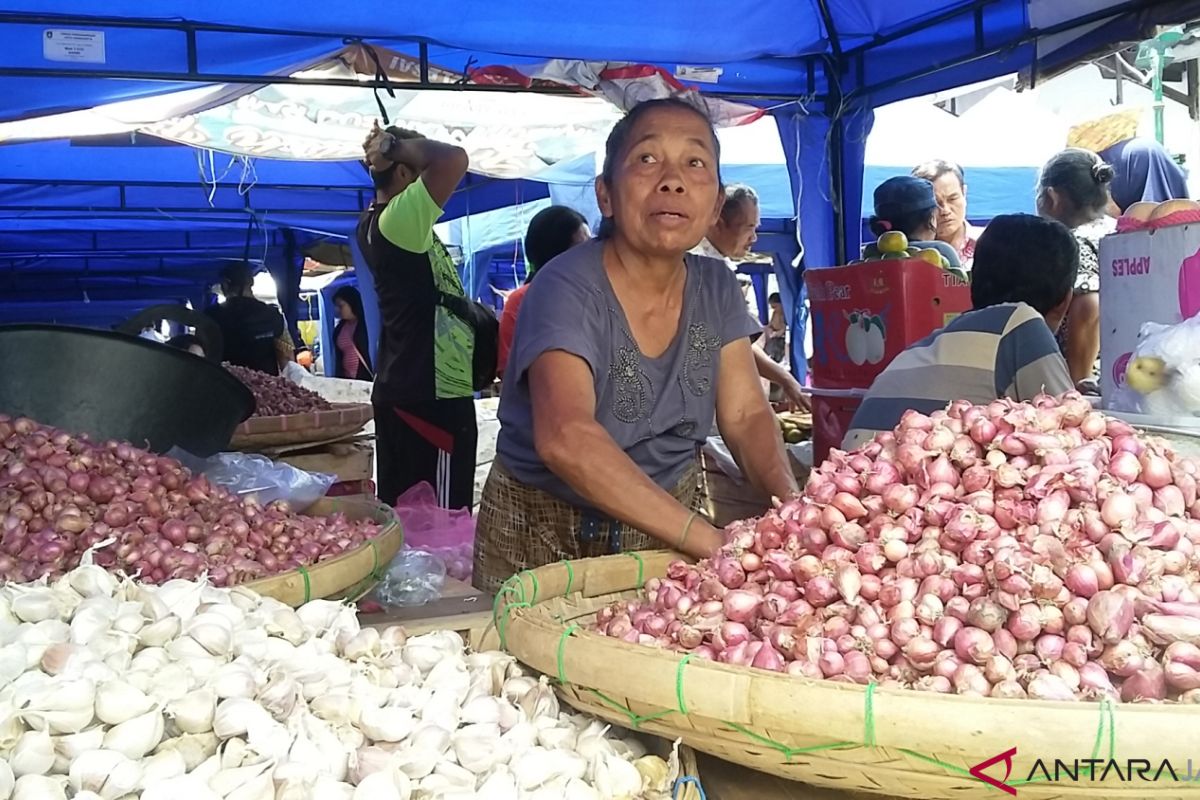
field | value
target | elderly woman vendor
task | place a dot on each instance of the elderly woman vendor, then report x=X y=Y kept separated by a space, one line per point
x=626 y=350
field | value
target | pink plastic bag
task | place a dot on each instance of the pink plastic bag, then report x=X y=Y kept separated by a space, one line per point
x=450 y=535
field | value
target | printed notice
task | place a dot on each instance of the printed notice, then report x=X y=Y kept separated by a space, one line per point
x=698 y=74
x=61 y=44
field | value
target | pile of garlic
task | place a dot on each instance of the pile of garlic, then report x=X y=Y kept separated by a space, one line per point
x=115 y=690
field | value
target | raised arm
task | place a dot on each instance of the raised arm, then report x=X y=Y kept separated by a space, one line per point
x=747 y=423
x=440 y=166
x=576 y=448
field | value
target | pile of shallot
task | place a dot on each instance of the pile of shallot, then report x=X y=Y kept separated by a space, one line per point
x=111 y=690
x=276 y=396
x=61 y=494
x=1010 y=550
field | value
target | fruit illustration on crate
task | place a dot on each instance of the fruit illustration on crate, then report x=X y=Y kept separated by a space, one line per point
x=865 y=337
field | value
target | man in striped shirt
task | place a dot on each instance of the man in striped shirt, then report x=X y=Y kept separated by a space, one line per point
x=1021 y=286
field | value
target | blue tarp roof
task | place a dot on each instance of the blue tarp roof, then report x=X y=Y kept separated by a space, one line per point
x=842 y=57
x=888 y=49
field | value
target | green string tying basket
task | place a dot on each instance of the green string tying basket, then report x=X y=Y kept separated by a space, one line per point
x=897 y=743
x=350 y=575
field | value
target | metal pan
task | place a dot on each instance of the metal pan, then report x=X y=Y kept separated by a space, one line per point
x=114 y=386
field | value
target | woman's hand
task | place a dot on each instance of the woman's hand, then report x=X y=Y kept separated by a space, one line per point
x=701 y=540
x=376 y=147
x=748 y=424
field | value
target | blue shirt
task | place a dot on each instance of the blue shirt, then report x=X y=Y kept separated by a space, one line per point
x=658 y=410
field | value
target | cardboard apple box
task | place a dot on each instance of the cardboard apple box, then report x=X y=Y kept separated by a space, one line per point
x=1145 y=276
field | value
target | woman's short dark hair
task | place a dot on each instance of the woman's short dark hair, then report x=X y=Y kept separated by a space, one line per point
x=351 y=297
x=1081 y=176
x=551 y=233
x=618 y=139
x=1021 y=258
x=932 y=170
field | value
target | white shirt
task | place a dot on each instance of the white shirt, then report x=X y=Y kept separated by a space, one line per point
x=708 y=249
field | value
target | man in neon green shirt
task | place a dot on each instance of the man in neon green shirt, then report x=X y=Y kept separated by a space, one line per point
x=424 y=405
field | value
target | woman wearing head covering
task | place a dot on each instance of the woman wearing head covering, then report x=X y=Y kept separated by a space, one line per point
x=627 y=350
x=908 y=205
x=350 y=340
x=1073 y=189
x=1144 y=172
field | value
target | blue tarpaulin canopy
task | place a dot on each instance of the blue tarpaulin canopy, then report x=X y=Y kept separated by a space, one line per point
x=820 y=65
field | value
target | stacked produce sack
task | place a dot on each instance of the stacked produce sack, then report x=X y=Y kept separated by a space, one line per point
x=1010 y=550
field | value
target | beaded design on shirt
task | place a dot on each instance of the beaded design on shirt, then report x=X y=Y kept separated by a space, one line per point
x=631 y=399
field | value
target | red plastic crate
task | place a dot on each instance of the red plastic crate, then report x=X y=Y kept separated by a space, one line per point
x=831 y=415
x=865 y=315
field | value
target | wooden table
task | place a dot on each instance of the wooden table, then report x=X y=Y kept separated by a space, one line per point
x=725 y=781
x=461 y=608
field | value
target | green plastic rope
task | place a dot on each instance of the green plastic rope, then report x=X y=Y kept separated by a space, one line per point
x=679 y=682
x=570 y=577
x=635 y=720
x=787 y=752
x=641 y=567
x=869 y=716
x=374 y=559
x=562 y=647
x=1107 y=715
x=500 y=629
x=307 y=583
x=507 y=588
x=532 y=579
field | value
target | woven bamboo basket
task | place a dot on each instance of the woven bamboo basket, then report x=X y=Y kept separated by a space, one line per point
x=331 y=424
x=350 y=575
x=897 y=743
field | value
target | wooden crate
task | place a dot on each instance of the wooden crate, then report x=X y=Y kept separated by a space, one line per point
x=349 y=461
x=461 y=608
x=725 y=781
x=726 y=500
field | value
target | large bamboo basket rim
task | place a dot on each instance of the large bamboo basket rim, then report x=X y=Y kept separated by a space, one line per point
x=351 y=574
x=341 y=420
x=925 y=742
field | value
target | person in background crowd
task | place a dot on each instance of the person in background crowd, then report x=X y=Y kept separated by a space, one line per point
x=730 y=239
x=423 y=396
x=189 y=342
x=1004 y=347
x=254 y=332
x=1073 y=189
x=552 y=231
x=908 y=205
x=1143 y=172
x=775 y=332
x=627 y=350
x=350 y=339
x=950 y=191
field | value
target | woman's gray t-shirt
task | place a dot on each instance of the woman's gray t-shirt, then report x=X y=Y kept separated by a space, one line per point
x=658 y=410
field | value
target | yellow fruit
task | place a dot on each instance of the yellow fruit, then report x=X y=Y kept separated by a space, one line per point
x=794 y=436
x=932 y=256
x=1173 y=207
x=893 y=242
x=1140 y=211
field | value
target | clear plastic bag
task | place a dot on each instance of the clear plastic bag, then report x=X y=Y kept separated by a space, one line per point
x=259 y=478
x=414 y=578
x=450 y=535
